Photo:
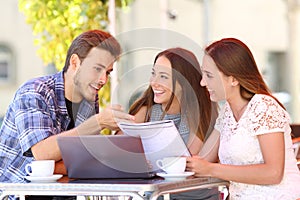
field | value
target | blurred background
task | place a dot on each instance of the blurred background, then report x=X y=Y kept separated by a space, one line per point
x=271 y=29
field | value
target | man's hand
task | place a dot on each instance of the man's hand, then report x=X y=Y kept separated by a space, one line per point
x=60 y=168
x=110 y=116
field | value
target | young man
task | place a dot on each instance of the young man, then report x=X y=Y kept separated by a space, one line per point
x=62 y=104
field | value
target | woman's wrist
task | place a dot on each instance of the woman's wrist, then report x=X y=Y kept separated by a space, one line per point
x=212 y=169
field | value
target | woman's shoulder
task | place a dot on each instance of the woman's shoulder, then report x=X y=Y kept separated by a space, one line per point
x=259 y=97
x=266 y=109
x=263 y=99
x=141 y=114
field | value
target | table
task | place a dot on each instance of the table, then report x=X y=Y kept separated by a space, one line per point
x=112 y=187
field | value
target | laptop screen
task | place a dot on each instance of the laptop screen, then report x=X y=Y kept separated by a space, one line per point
x=99 y=156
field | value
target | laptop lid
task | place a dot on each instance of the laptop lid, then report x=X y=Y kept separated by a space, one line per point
x=99 y=156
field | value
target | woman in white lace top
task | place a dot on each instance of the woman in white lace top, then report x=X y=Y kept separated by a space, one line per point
x=252 y=136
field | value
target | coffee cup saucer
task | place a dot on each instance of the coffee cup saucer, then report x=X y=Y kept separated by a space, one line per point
x=44 y=179
x=175 y=176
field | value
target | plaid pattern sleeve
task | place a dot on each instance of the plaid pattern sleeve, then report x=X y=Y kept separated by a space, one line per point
x=23 y=127
x=33 y=120
x=38 y=111
x=35 y=114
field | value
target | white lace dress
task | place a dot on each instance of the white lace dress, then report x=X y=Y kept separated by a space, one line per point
x=239 y=145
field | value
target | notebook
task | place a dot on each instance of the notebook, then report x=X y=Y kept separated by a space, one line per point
x=100 y=156
x=159 y=138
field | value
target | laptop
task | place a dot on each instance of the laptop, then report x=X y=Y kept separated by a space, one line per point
x=104 y=157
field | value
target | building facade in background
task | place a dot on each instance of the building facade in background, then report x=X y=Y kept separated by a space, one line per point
x=149 y=26
x=18 y=59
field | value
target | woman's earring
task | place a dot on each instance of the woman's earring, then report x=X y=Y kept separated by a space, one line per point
x=232 y=84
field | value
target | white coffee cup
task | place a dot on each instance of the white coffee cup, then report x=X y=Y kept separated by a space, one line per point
x=40 y=168
x=172 y=165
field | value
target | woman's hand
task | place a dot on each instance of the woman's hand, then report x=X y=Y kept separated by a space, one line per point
x=200 y=166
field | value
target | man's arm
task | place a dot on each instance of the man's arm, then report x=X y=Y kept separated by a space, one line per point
x=48 y=149
x=108 y=118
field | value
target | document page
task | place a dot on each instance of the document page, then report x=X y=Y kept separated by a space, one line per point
x=160 y=139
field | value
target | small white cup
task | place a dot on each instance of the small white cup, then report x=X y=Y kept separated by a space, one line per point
x=172 y=165
x=40 y=168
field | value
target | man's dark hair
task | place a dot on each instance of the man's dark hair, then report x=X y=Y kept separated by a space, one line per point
x=82 y=45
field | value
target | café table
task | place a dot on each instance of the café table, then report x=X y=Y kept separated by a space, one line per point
x=135 y=188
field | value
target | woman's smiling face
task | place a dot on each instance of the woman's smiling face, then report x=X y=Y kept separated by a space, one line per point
x=161 y=81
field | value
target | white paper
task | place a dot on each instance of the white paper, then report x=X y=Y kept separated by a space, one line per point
x=160 y=139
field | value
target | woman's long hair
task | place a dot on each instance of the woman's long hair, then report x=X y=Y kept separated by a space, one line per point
x=195 y=102
x=234 y=58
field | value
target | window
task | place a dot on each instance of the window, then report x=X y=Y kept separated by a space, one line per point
x=275 y=72
x=277 y=77
x=7 y=67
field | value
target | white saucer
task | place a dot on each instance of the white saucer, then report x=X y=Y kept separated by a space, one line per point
x=178 y=176
x=44 y=179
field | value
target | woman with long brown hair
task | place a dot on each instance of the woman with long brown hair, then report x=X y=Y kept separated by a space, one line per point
x=174 y=93
x=252 y=136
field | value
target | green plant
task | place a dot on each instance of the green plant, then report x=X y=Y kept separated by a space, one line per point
x=56 y=23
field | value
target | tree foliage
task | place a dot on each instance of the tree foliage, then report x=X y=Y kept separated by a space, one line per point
x=56 y=23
